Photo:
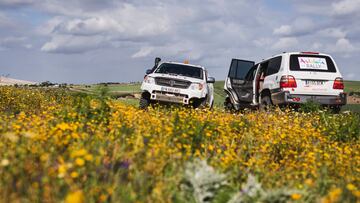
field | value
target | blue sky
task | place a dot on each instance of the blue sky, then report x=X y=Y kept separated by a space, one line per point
x=90 y=41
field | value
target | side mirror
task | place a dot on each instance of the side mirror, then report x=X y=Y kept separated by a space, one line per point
x=157 y=61
x=210 y=80
x=148 y=71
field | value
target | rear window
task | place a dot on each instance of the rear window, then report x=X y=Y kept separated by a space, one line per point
x=177 y=69
x=315 y=63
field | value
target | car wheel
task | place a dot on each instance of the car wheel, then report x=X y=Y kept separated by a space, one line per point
x=211 y=105
x=199 y=103
x=228 y=105
x=266 y=103
x=336 y=109
x=144 y=103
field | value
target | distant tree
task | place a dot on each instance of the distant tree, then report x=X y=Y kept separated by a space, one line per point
x=63 y=85
x=46 y=84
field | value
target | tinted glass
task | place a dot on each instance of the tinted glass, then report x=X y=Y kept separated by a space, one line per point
x=274 y=65
x=315 y=63
x=177 y=69
x=243 y=68
x=232 y=71
x=251 y=74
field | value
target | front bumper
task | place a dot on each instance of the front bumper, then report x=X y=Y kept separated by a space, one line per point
x=287 y=98
x=181 y=96
x=169 y=97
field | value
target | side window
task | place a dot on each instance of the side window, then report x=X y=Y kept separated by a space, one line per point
x=233 y=66
x=251 y=74
x=264 y=67
x=274 y=66
x=243 y=68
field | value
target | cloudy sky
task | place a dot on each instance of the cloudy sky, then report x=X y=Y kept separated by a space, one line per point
x=89 y=41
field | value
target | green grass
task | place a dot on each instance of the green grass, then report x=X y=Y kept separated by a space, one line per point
x=352 y=86
x=352 y=107
x=116 y=90
x=219 y=94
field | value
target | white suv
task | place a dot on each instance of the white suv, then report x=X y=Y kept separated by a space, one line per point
x=180 y=83
x=287 y=78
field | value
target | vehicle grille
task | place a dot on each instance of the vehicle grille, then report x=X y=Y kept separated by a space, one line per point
x=183 y=84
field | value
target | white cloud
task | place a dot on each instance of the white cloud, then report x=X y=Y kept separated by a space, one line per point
x=47 y=28
x=262 y=42
x=14 y=42
x=300 y=26
x=15 y=3
x=285 y=43
x=316 y=46
x=7 y=23
x=124 y=24
x=143 y=52
x=283 y=30
x=333 y=32
x=342 y=45
x=73 y=44
x=346 y=7
x=90 y=26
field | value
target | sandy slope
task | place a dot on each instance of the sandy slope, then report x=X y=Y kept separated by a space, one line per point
x=11 y=81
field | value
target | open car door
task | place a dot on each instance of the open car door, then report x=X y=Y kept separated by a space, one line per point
x=241 y=79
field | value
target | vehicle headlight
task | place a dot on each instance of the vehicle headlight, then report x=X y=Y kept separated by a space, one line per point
x=196 y=86
x=149 y=80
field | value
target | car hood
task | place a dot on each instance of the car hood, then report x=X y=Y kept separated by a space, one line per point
x=180 y=77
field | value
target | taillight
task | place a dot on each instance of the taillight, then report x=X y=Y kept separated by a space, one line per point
x=338 y=84
x=288 y=81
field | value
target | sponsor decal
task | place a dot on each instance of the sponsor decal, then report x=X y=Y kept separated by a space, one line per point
x=312 y=63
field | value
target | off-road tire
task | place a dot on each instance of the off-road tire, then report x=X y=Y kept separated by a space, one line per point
x=335 y=109
x=144 y=103
x=265 y=103
x=228 y=105
x=200 y=104
x=211 y=105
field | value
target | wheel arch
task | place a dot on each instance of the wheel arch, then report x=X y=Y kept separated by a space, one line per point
x=146 y=94
x=265 y=92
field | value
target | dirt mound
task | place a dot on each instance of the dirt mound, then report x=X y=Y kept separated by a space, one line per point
x=353 y=100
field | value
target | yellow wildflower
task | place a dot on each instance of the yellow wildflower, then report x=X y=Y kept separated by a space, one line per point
x=88 y=157
x=80 y=152
x=79 y=161
x=5 y=162
x=74 y=174
x=351 y=187
x=75 y=197
x=295 y=196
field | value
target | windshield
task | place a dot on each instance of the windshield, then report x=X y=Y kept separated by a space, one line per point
x=183 y=70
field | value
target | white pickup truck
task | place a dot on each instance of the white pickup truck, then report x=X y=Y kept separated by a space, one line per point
x=171 y=82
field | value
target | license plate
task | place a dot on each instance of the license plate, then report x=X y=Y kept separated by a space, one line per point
x=314 y=82
x=169 y=89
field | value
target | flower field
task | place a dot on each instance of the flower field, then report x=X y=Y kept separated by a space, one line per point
x=56 y=146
